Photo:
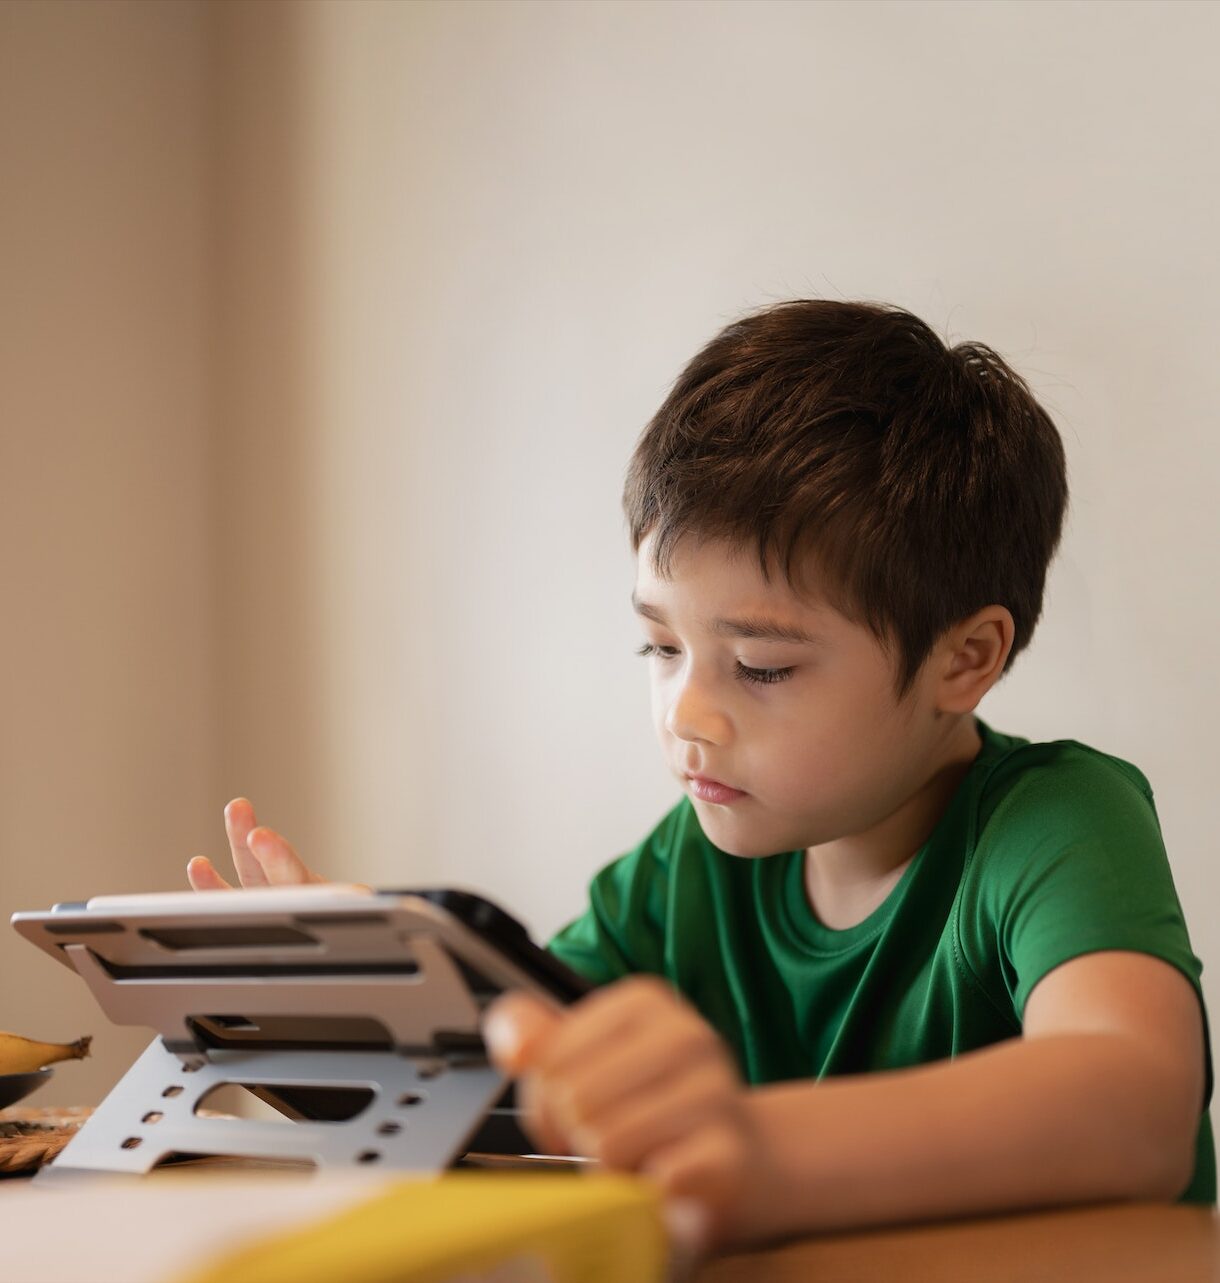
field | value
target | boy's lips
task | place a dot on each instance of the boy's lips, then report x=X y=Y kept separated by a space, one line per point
x=709 y=790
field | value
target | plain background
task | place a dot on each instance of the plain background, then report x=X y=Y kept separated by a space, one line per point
x=326 y=332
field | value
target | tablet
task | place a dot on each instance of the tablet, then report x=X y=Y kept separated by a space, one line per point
x=318 y=929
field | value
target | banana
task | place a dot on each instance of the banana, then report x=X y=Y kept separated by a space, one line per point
x=21 y=1055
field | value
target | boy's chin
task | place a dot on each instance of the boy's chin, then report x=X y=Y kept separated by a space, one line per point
x=736 y=840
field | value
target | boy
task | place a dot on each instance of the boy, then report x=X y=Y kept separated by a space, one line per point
x=882 y=963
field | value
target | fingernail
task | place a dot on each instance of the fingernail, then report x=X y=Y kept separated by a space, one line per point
x=500 y=1034
x=687 y=1223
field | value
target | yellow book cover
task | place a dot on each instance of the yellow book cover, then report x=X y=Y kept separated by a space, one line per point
x=470 y=1227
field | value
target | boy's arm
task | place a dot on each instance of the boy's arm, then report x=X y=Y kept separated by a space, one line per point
x=1100 y=1099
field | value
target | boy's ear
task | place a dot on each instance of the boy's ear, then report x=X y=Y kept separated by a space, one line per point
x=972 y=658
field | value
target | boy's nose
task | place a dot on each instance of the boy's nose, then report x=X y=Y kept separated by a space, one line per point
x=693 y=716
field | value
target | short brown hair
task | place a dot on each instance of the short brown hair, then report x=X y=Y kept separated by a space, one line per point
x=923 y=481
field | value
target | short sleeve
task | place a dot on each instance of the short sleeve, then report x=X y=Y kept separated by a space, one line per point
x=622 y=931
x=1071 y=861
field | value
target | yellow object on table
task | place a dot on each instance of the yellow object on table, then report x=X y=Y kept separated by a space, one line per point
x=472 y=1227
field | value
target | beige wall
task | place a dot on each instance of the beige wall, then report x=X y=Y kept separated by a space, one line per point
x=534 y=213
x=110 y=746
x=336 y=324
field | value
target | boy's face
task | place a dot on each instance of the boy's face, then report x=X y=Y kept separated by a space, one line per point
x=809 y=731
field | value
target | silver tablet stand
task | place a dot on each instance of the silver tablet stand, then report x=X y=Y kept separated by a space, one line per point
x=354 y=1014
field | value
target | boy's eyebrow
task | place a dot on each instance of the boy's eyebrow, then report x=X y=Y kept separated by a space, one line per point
x=753 y=626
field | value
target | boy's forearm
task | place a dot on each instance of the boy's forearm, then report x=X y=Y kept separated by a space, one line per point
x=1030 y=1122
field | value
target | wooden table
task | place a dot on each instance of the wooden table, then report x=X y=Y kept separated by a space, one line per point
x=1117 y=1243
x=1133 y=1243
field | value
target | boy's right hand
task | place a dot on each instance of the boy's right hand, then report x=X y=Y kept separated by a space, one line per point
x=260 y=855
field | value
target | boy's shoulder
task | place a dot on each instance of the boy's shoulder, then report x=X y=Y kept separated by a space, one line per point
x=1060 y=830
x=1052 y=782
x=1015 y=752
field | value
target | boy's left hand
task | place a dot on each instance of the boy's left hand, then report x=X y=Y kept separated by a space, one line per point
x=632 y=1076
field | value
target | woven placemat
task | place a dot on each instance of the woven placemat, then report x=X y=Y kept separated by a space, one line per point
x=31 y=1137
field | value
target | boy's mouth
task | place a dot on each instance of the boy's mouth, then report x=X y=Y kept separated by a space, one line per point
x=709 y=790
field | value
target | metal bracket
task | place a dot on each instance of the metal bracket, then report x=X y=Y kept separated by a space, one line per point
x=416 y=1114
x=359 y=1024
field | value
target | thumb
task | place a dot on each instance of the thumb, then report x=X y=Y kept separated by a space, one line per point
x=516 y=1027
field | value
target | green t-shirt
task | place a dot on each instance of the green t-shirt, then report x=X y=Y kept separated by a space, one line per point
x=1045 y=852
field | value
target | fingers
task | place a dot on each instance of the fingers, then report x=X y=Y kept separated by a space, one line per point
x=537 y=1117
x=516 y=1026
x=626 y=1134
x=711 y=1175
x=261 y=856
x=239 y=821
x=278 y=862
x=201 y=874
x=702 y=1173
x=615 y=1014
x=626 y=1071
x=627 y=1064
x=689 y=1226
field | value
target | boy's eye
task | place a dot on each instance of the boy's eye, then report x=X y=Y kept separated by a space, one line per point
x=763 y=676
x=760 y=676
x=665 y=652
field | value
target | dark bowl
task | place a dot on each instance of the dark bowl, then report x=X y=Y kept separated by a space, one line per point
x=15 y=1087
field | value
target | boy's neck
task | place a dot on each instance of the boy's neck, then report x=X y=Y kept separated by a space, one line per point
x=847 y=879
